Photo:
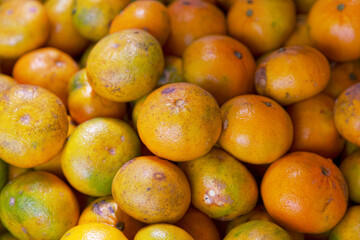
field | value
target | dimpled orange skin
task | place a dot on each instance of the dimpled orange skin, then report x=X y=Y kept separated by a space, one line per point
x=173 y=71
x=198 y=225
x=64 y=35
x=24 y=26
x=38 y=205
x=162 y=231
x=85 y=104
x=125 y=65
x=335 y=28
x=151 y=16
x=292 y=74
x=343 y=76
x=261 y=25
x=94 y=231
x=314 y=127
x=101 y=13
x=305 y=192
x=105 y=210
x=191 y=20
x=95 y=152
x=33 y=125
x=6 y=82
x=250 y=119
x=221 y=65
x=350 y=167
x=48 y=68
x=349 y=226
x=347 y=114
x=179 y=122
x=221 y=186
x=152 y=190
x=300 y=35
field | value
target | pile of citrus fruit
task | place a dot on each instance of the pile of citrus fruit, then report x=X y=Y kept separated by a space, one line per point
x=180 y=119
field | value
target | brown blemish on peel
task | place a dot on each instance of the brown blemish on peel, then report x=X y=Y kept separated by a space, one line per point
x=325 y=171
x=249 y=13
x=267 y=104
x=159 y=176
x=96 y=208
x=168 y=90
x=260 y=78
x=112 y=151
x=327 y=204
x=120 y=226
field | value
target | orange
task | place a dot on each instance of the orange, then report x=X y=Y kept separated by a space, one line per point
x=179 y=122
x=16 y=171
x=48 y=68
x=24 y=26
x=257 y=229
x=261 y=25
x=162 y=232
x=85 y=104
x=151 y=190
x=72 y=126
x=6 y=82
x=105 y=210
x=92 y=231
x=52 y=166
x=314 y=127
x=38 y=205
x=350 y=167
x=335 y=28
x=173 y=71
x=92 y=18
x=347 y=115
x=349 y=227
x=349 y=149
x=151 y=16
x=304 y=6
x=343 y=76
x=305 y=192
x=221 y=65
x=63 y=34
x=292 y=74
x=4 y=168
x=33 y=125
x=190 y=20
x=125 y=65
x=221 y=186
x=300 y=35
x=85 y=55
x=198 y=225
x=136 y=110
x=95 y=152
x=250 y=119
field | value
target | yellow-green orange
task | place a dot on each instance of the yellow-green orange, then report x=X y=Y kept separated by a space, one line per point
x=349 y=226
x=93 y=231
x=350 y=168
x=162 y=232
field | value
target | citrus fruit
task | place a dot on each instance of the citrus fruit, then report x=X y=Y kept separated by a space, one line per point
x=92 y=231
x=349 y=226
x=162 y=232
x=300 y=35
x=350 y=168
x=6 y=82
x=173 y=71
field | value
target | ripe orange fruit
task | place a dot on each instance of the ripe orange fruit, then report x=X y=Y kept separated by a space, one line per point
x=335 y=28
x=125 y=65
x=92 y=231
x=292 y=74
x=48 y=68
x=305 y=192
x=95 y=152
x=33 y=125
x=343 y=76
x=92 y=18
x=261 y=25
x=152 y=190
x=191 y=20
x=350 y=168
x=24 y=26
x=6 y=82
x=198 y=225
x=85 y=104
x=250 y=119
x=314 y=127
x=349 y=226
x=162 y=231
x=347 y=116
x=38 y=205
x=173 y=71
x=105 y=210
x=179 y=122
x=257 y=229
x=151 y=16
x=221 y=65
x=300 y=36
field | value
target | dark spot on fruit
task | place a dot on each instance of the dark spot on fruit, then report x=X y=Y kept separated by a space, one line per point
x=168 y=90
x=340 y=7
x=111 y=209
x=186 y=3
x=112 y=151
x=120 y=226
x=260 y=78
x=73 y=11
x=148 y=189
x=327 y=204
x=136 y=32
x=325 y=171
x=25 y=119
x=249 y=1
x=352 y=76
x=145 y=219
x=159 y=176
x=238 y=54
x=267 y=104
x=287 y=95
x=146 y=29
x=281 y=50
x=249 y=13
x=96 y=208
